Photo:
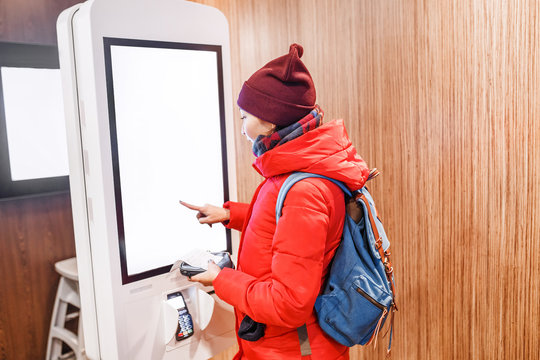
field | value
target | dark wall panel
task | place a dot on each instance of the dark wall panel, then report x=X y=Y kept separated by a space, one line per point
x=34 y=234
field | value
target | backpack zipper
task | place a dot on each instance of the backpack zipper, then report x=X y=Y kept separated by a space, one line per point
x=370 y=299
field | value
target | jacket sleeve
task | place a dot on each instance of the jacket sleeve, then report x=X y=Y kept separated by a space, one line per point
x=287 y=297
x=238 y=215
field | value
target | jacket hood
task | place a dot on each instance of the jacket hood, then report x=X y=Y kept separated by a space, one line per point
x=325 y=150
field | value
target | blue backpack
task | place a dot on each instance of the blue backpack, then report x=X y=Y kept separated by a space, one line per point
x=359 y=294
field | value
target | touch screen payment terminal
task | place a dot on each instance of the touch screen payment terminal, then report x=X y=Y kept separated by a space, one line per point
x=185 y=322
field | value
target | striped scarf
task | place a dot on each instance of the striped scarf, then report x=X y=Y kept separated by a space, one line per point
x=309 y=122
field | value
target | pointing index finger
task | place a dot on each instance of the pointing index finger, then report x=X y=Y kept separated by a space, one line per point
x=189 y=206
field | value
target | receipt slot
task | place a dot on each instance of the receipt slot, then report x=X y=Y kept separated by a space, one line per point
x=148 y=106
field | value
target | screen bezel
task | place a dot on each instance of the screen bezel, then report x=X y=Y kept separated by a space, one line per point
x=107 y=43
x=25 y=56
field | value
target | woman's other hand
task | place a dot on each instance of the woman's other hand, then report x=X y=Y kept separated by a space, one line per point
x=209 y=214
x=207 y=278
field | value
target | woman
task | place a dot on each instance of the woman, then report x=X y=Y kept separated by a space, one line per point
x=282 y=267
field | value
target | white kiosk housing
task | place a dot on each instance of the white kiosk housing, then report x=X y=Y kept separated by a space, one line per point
x=147 y=93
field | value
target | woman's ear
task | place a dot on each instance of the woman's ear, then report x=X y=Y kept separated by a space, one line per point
x=271 y=129
x=268 y=126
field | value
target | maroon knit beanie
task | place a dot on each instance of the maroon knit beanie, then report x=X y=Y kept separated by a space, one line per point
x=281 y=92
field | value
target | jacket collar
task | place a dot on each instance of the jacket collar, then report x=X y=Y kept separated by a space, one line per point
x=326 y=150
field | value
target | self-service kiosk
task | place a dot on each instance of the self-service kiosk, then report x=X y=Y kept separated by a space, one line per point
x=147 y=96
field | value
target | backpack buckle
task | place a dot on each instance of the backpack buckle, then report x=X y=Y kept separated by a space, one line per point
x=378 y=243
x=388 y=266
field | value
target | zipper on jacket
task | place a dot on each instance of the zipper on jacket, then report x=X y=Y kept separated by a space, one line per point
x=369 y=298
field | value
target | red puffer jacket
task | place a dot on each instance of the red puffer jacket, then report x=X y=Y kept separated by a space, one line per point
x=281 y=269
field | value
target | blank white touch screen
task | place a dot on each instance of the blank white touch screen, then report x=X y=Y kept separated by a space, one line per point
x=168 y=144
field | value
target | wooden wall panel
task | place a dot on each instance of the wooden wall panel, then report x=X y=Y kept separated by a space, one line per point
x=31 y=21
x=34 y=232
x=442 y=97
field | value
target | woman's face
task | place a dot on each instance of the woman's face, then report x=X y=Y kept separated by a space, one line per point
x=252 y=126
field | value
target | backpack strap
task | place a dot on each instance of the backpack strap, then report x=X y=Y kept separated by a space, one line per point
x=305 y=346
x=296 y=177
x=303 y=339
x=379 y=245
x=384 y=253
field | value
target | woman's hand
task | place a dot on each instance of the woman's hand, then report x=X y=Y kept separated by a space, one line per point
x=209 y=214
x=207 y=278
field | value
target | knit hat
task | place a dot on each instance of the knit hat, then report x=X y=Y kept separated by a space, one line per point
x=281 y=92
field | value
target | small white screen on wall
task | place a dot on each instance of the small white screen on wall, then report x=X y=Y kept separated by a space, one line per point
x=35 y=123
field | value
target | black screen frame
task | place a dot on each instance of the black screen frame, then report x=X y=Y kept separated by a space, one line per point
x=25 y=56
x=107 y=43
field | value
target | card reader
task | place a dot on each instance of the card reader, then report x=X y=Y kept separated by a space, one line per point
x=189 y=271
x=184 y=328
